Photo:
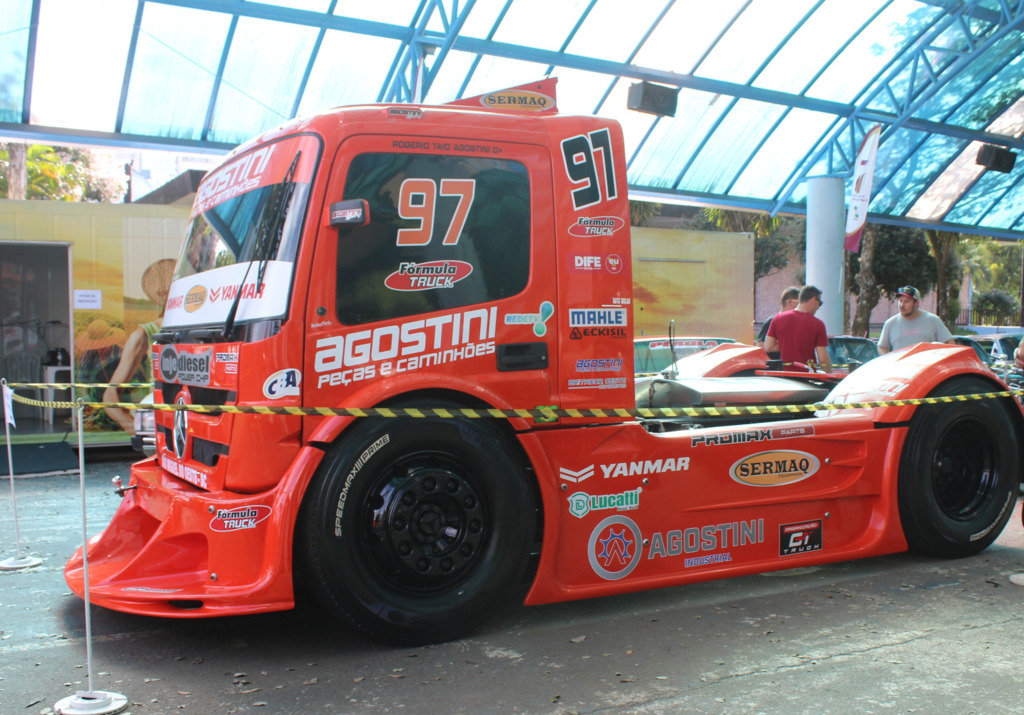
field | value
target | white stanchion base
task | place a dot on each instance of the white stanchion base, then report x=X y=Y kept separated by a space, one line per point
x=20 y=562
x=91 y=702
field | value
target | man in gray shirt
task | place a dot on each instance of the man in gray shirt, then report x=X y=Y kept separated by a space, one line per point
x=911 y=325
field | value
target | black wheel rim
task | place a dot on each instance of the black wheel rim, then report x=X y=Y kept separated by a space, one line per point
x=426 y=524
x=964 y=469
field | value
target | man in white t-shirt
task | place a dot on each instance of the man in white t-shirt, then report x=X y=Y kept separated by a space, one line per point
x=912 y=325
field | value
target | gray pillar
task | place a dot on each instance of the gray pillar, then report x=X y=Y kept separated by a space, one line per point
x=826 y=230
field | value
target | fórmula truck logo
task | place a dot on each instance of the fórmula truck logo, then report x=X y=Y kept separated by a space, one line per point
x=428 y=275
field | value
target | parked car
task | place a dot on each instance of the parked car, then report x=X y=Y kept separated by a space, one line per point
x=850 y=352
x=999 y=345
x=655 y=353
x=1005 y=369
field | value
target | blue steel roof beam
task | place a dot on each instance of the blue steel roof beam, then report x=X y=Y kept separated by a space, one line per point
x=396 y=86
x=30 y=63
x=317 y=44
x=632 y=55
x=979 y=87
x=62 y=135
x=129 y=64
x=757 y=73
x=904 y=118
x=572 y=33
x=452 y=29
x=218 y=79
x=476 y=60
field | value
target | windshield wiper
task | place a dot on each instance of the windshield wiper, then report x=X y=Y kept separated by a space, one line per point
x=267 y=241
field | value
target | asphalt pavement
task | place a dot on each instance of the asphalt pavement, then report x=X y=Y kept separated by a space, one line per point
x=898 y=634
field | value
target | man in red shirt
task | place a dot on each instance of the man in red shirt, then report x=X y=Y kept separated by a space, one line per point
x=798 y=335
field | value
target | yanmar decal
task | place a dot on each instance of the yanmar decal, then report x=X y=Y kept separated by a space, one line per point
x=282 y=384
x=596 y=226
x=614 y=547
x=800 y=538
x=581 y=503
x=707 y=541
x=752 y=435
x=428 y=275
x=774 y=469
x=612 y=470
x=244 y=517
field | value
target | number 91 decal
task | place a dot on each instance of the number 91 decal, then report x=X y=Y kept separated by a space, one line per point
x=581 y=166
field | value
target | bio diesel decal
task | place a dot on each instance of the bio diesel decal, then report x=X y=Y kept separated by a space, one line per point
x=775 y=468
x=581 y=503
x=185 y=368
x=244 y=517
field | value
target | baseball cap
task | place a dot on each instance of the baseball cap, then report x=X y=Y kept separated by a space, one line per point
x=910 y=292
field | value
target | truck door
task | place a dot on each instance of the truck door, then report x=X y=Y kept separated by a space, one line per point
x=451 y=283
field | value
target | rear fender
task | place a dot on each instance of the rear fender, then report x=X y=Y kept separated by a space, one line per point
x=909 y=374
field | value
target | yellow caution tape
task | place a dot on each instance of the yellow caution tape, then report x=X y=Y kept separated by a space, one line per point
x=539 y=414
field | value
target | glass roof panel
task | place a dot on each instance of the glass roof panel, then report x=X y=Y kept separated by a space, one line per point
x=14 y=22
x=728 y=149
x=982 y=89
x=770 y=167
x=869 y=53
x=830 y=25
x=750 y=41
x=67 y=92
x=683 y=36
x=987 y=199
x=392 y=12
x=614 y=28
x=332 y=83
x=174 y=69
x=533 y=23
x=258 y=89
x=309 y=5
x=671 y=144
x=925 y=164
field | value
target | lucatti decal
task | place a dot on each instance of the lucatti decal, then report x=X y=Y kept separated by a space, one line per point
x=243 y=517
x=774 y=469
x=427 y=276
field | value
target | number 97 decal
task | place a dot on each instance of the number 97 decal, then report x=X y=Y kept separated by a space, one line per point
x=417 y=200
x=581 y=166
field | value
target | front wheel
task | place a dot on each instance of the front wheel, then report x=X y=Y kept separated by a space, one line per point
x=959 y=473
x=414 y=530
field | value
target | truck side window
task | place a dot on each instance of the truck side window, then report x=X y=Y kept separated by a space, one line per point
x=445 y=232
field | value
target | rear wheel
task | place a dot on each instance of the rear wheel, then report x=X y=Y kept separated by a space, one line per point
x=415 y=530
x=959 y=473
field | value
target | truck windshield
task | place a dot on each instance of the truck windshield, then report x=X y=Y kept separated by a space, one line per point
x=241 y=245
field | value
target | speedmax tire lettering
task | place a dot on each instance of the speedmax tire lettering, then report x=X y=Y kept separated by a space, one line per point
x=362 y=460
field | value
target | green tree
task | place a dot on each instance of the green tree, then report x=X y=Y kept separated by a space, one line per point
x=57 y=174
x=641 y=212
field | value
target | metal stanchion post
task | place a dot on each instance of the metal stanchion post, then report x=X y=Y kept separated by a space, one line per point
x=88 y=702
x=19 y=561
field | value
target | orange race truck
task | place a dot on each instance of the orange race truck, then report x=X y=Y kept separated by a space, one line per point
x=454 y=270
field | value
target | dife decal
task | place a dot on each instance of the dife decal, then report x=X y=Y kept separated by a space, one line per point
x=614 y=548
x=428 y=275
x=596 y=226
x=800 y=538
x=581 y=503
x=243 y=517
x=538 y=320
x=282 y=384
x=774 y=469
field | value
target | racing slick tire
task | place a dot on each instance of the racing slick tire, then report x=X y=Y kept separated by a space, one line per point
x=415 y=530
x=959 y=472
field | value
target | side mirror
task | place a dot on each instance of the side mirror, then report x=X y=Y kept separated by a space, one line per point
x=349 y=214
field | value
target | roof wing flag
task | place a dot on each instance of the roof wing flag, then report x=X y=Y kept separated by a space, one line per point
x=531 y=98
x=860 y=193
